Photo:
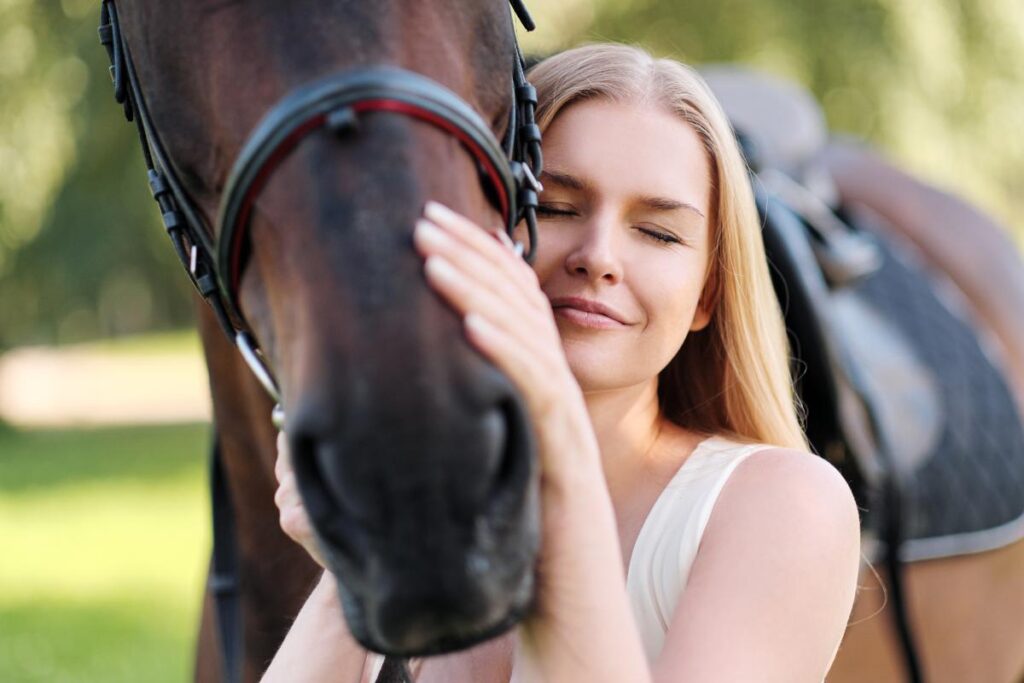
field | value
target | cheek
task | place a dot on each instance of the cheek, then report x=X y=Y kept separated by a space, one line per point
x=549 y=258
x=671 y=303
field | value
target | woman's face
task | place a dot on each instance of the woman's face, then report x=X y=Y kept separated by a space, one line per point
x=624 y=228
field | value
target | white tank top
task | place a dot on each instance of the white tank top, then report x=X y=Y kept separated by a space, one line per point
x=668 y=540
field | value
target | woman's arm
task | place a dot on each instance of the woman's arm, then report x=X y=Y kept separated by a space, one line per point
x=582 y=628
x=318 y=646
x=773 y=583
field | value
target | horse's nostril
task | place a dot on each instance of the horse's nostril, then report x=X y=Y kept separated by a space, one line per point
x=331 y=518
x=513 y=471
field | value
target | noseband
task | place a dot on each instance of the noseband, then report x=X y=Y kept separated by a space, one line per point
x=215 y=259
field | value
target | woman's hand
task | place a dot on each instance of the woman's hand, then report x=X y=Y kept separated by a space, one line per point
x=581 y=584
x=509 y=320
x=293 y=518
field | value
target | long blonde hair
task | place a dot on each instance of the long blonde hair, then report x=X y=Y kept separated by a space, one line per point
x=733 y=376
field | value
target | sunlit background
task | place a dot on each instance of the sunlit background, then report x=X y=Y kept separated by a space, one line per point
x=104 y=526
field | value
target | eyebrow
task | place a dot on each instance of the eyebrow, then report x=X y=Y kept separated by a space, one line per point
x=571 y=182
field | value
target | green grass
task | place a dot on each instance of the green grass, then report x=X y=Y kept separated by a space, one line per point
x=104 y=539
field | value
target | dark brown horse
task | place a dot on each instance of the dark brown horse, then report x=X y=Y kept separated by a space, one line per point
x=412 y=451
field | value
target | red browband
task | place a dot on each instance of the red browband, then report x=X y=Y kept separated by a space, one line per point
x=291 y=142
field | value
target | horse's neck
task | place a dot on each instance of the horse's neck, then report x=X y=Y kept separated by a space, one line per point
x=275 y=575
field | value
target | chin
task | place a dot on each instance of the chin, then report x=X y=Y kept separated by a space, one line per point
x=603 y=376
x=608 y=369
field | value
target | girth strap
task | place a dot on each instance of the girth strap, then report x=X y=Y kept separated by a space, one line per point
x=224 y=577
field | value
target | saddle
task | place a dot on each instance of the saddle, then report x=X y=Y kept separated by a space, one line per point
x=899 y=390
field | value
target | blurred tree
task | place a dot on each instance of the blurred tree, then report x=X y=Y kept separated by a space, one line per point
x=939 y=84
x=82 y=253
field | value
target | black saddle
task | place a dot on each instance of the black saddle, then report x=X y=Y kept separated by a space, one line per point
x=899 y=390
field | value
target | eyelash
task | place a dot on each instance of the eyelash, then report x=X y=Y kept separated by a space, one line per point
x=660 y=237
x=545 y=210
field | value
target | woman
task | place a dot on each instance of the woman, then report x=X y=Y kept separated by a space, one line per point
x=668 y=553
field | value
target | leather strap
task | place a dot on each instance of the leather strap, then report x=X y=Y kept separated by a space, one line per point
x=394 y=670
x=336 y=101
x=224 y=578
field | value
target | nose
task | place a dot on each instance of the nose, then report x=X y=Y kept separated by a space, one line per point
x=594 y=258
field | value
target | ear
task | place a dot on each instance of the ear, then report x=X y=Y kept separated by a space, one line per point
x=707 y=304
x=701 y=318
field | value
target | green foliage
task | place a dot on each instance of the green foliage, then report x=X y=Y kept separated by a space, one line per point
x=106 y=537
x=938 y=84
x=82 y=253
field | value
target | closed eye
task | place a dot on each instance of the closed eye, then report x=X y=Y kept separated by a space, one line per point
x=662 y=237
x=550 y=211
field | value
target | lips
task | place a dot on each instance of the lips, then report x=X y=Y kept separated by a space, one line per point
x=587 y=310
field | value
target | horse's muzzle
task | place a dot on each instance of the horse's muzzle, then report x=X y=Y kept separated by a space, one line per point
x=429 y=523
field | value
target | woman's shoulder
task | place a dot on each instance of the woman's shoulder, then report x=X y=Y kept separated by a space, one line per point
x=777 y=564
x=787 y=496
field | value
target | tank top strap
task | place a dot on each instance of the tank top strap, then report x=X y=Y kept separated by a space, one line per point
x=670 y=535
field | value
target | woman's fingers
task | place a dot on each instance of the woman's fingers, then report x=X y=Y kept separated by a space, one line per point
x=478 y=274
x=533 y=377
x=482 y=278
x=531 y=331
x=489 y=247
x=283 y=464
x=436 y=245
x=528 y=358
x=521 y=298
x=291 y=512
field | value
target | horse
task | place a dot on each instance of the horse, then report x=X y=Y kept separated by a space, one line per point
x=412 y=452
x=904 y=303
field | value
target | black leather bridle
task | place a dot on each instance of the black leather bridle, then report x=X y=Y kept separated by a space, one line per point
x=215 y=259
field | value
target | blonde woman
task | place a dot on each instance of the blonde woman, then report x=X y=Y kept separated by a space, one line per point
x=688 y=535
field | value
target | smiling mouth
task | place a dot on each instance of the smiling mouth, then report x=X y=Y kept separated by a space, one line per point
x=586 y=319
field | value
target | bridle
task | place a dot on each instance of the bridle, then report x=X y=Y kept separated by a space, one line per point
x=215 y=259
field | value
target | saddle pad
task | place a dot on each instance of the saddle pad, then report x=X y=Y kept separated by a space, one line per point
x=966 y=493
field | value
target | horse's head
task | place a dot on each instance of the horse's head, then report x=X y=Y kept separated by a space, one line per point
x=413 y=454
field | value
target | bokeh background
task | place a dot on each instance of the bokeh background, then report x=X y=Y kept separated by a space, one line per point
x=104 y=523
